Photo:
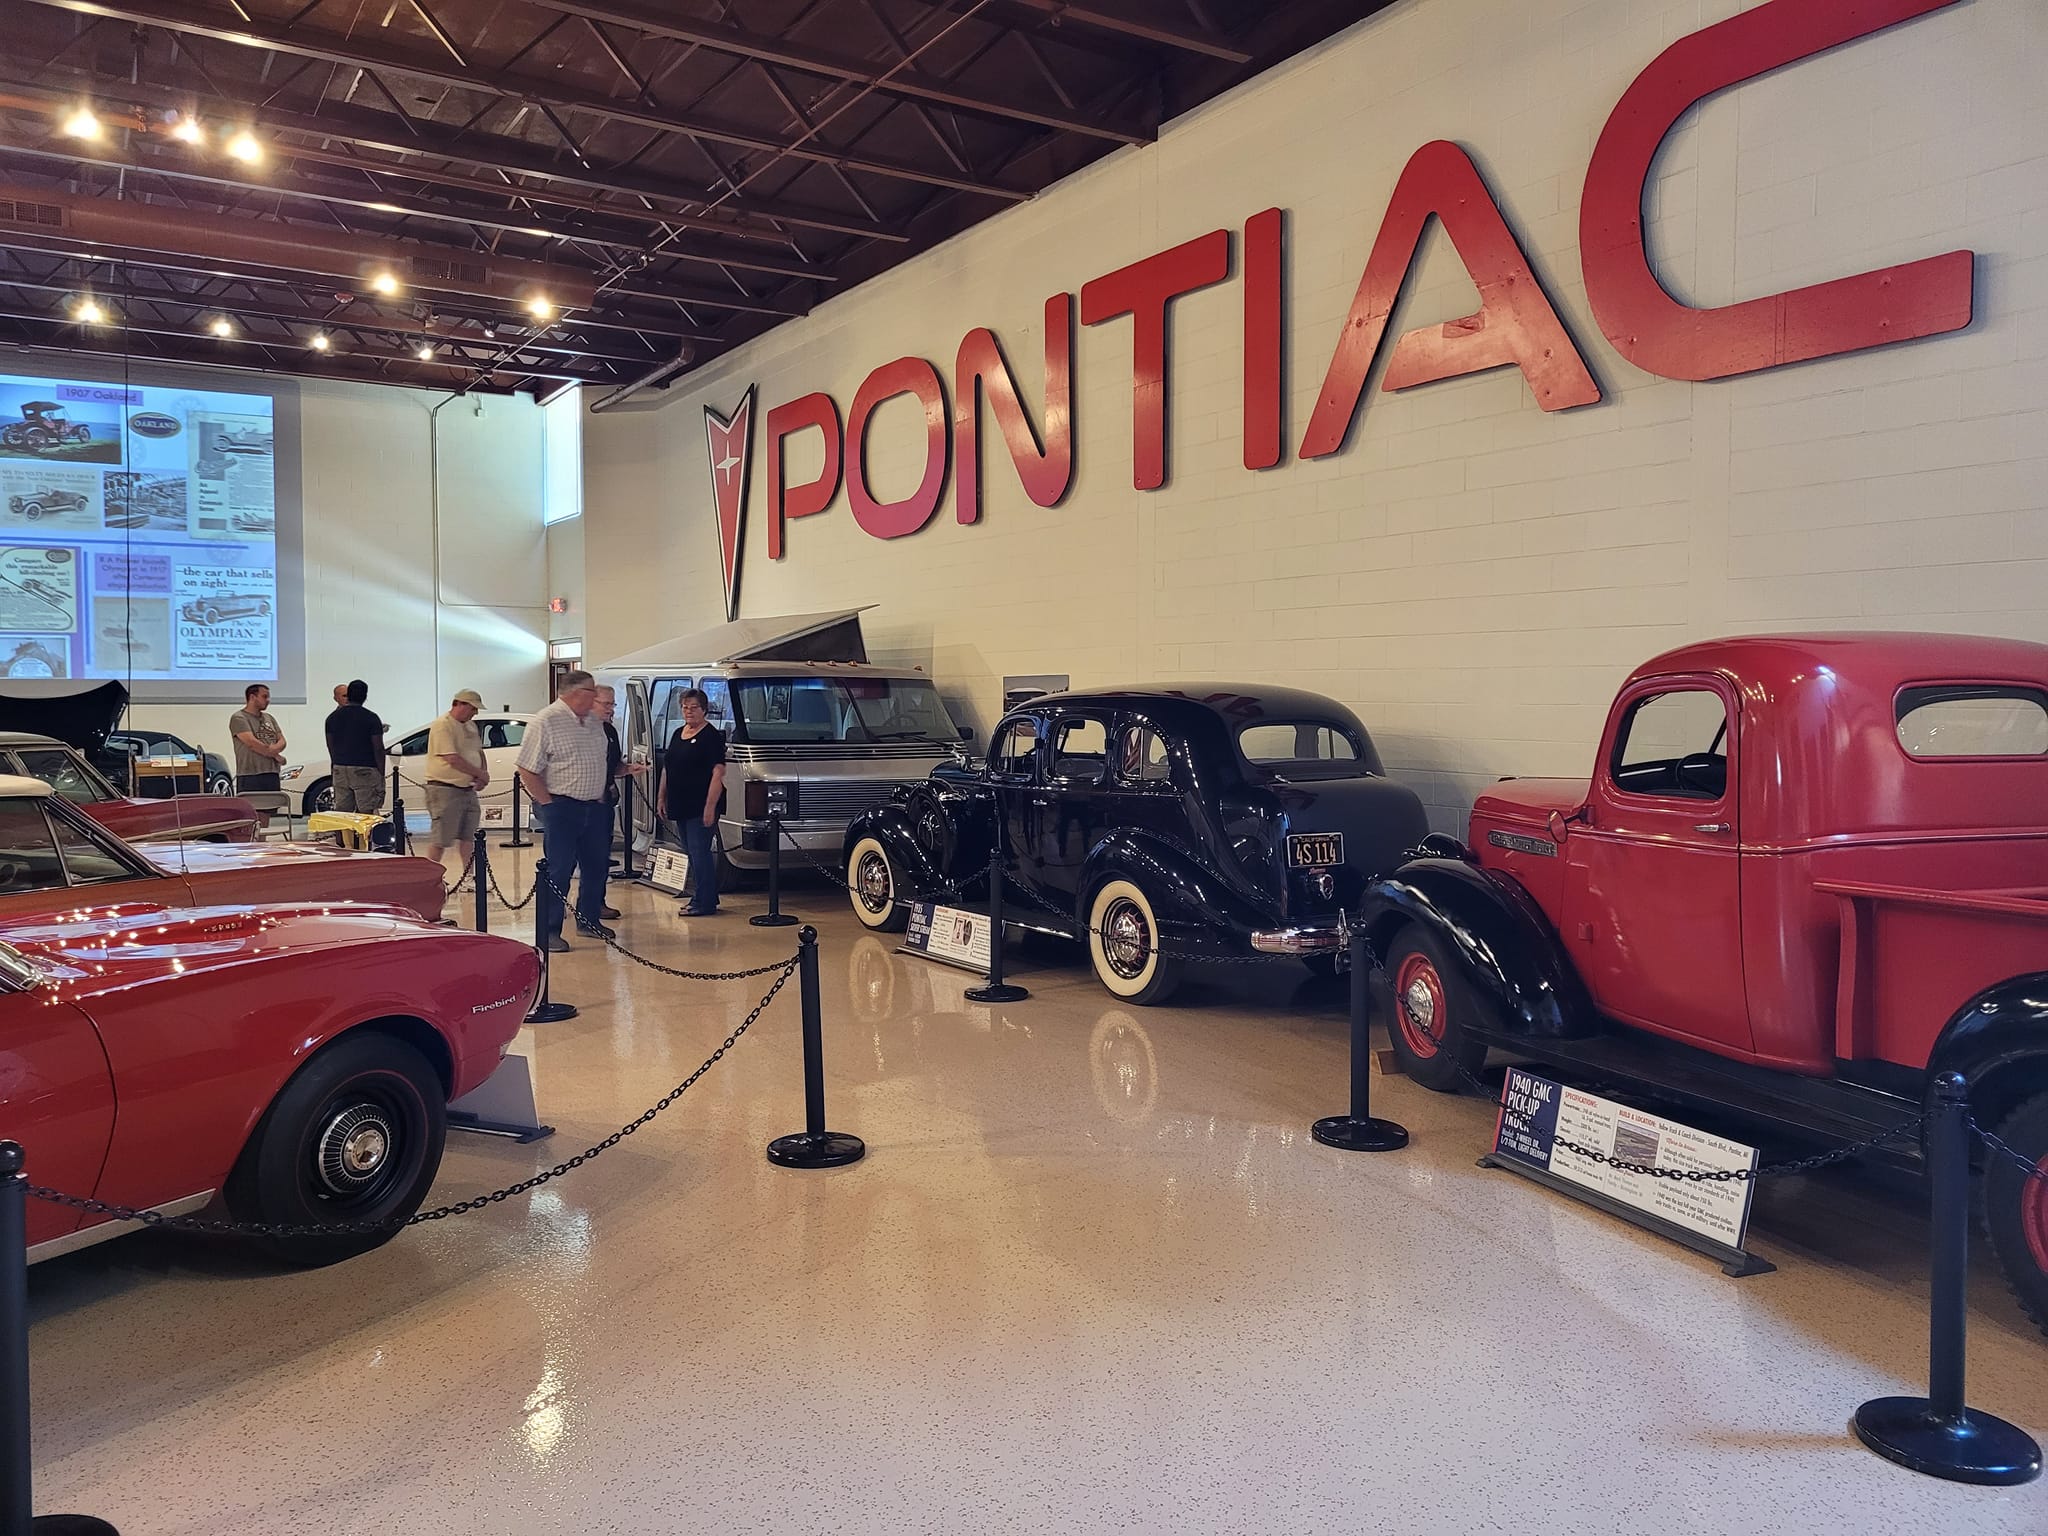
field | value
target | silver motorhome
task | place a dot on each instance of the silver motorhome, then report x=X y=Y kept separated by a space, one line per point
x=802 y=709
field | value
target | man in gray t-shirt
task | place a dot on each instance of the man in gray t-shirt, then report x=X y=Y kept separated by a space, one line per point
x=259 y=744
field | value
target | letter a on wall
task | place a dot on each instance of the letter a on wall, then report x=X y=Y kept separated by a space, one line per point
x=1515 y=323
x=731 y=443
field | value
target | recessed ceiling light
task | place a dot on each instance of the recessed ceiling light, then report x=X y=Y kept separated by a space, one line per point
x=87 y=312
x=384 y=283
x=320 y=343
x=187 y=130
x=540 y=309
x=245 y=148
x=82 y=124
x=222 y=326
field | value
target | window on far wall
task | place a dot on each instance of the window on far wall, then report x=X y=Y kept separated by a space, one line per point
x=561 y=496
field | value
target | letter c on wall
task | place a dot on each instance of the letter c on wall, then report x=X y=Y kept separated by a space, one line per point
x=1658 y=333
x=894 y=519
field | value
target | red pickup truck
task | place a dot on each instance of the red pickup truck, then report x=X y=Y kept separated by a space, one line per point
x=1809 y=873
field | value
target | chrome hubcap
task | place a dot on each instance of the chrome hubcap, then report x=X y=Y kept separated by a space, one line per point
x=1126 y=941
x=871 y=882
x=353 y=1148
x=1420 y=1003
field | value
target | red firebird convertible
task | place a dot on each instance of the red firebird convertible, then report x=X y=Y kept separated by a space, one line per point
x=291 y=1064
x=204 y=818
x=53 y=860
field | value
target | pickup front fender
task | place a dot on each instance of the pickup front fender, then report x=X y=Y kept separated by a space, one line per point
x=1502 y=944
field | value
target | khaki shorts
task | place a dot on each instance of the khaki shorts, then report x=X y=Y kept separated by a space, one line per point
x=456 y=815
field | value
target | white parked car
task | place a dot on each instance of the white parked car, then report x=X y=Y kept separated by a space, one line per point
x=313 y=782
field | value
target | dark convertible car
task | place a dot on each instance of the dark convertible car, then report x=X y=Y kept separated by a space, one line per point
x=1209 y=821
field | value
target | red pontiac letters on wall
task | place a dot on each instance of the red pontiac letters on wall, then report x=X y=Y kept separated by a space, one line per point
x=1517 y=322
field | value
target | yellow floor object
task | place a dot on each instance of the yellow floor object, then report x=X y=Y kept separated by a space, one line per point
x=349 y=828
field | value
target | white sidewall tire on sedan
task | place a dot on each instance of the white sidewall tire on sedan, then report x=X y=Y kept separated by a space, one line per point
x=874 y=886
x=1124 y=912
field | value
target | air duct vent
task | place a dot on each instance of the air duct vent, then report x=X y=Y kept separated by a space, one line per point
x=38 y=215
x=436 y=269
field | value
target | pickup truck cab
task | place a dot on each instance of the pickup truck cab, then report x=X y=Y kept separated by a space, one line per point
x=1807 y=874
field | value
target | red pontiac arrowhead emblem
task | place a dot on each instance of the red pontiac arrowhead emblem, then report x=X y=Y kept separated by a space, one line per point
x=731 y=441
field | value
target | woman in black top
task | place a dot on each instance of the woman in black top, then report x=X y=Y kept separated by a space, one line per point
x=693 y=794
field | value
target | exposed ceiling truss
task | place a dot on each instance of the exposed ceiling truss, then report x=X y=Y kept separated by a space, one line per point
x=521 y=194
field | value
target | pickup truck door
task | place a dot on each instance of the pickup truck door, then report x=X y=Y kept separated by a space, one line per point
x=1653 y=890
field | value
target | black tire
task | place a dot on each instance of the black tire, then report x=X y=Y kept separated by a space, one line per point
x=874 y=885
x=356 y=1135
x=2016 y=1206
x=1431 y=1038
x=220 y=784
x=32 y=510
x=1123 y=942
x=319 y=797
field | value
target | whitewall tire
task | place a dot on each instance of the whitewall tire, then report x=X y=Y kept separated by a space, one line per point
x=875 y=887
x=1123 y=941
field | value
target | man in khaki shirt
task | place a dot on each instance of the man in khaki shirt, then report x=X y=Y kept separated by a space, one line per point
x=455 y=772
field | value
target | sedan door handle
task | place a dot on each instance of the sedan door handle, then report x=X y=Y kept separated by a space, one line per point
x=1710 y=826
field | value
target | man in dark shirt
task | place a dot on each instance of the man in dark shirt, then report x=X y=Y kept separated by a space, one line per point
x=693 y=793
x=355 y=753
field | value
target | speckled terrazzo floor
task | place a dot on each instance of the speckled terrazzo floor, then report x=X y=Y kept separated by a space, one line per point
x=1093 y=1276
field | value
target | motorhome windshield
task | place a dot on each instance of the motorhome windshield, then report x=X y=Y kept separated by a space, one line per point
x=768 y=710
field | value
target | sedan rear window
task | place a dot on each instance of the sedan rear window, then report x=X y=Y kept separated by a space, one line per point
x=1973 y=720
x=1316 y=745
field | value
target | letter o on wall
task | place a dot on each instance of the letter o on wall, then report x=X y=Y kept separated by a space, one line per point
x=894 y=519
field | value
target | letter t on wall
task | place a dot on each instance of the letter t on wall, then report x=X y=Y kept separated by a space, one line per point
x=1142 y=291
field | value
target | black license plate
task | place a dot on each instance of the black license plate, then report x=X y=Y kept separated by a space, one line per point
x=1314 y=850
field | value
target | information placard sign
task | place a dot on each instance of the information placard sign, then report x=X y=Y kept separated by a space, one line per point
x=949 y=934
x=1538 y=1116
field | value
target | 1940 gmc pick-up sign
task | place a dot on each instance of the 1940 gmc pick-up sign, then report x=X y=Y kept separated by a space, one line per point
x=1808 y=874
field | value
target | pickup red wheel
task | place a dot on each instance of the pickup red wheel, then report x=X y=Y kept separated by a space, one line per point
x=2016 y=1205
x=1431 y=1030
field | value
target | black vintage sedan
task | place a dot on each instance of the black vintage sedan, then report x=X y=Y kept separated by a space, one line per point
x=1208 y=821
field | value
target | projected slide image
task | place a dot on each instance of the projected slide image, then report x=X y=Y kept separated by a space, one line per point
x=34 y=656
x=57 y=498
x=131 y=631
x=60 y=422
x=138 y=528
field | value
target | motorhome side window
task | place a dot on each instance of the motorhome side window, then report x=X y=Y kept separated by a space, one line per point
x=717 y=699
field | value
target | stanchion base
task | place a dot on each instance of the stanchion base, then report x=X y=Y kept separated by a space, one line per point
x=1001 y=992
x=70 y=1525
x=551 y=1013
x=1971 y=1448
x=773 y=920
x=827 y=1149
x=1354 y=1135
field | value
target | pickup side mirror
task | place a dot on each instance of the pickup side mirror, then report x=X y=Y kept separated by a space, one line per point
x=1561 y=821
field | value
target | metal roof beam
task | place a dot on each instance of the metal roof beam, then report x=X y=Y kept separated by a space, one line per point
x=371 y=54
x=1106 y=19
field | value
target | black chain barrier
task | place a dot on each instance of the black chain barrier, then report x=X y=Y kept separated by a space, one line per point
x=215 y=1226
x=610 y=941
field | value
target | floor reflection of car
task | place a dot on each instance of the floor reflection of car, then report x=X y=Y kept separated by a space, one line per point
x=45 y=503
x=291 y=1064
x=1209 y=822
x=221 y=606
x=220 y=778
x=65 y=769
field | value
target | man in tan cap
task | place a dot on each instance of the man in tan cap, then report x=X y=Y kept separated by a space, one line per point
x=455 y=772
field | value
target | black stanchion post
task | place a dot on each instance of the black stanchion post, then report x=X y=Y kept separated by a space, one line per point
x=400 y=843
x=545 y=1011
x=995 y=989
x=1359 y=1131
x=519 y=837
x=1937 y=1434
x=774 y=917
x=480 y=871
x=626 y=815
x=813 y=1146
x=17 y=1484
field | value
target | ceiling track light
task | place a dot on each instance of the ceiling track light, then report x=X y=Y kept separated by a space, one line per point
x=185 y=128
x=320 y=343
x=424 y=353
x=222 y=327
x=540 y=308
x=384 y=283
x=82 y=123
x=245 y=147
x=88 y=312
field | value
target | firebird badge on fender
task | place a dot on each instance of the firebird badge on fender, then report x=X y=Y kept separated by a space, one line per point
x=493 y=1007
x=731 y=441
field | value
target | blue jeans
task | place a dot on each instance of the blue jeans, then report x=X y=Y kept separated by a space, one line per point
x=697 y=842
x=576 y=838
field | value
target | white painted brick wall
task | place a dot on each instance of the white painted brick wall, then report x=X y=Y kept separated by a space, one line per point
x=1471 y=573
